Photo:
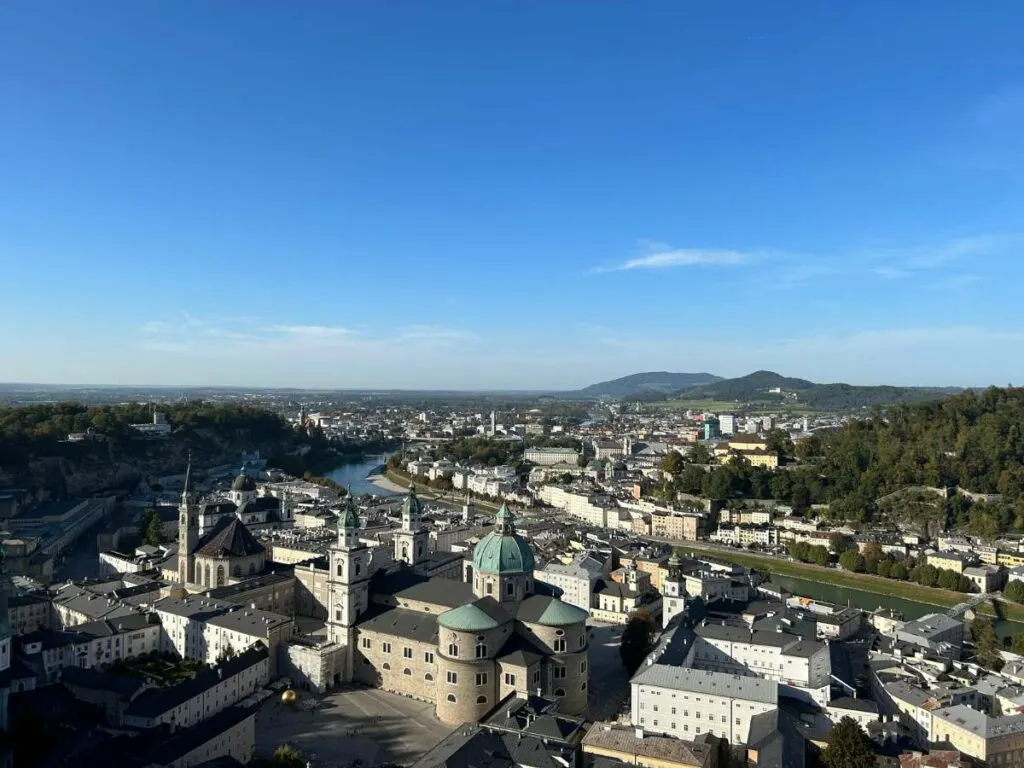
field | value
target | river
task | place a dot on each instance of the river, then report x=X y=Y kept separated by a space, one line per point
x=355 y=473
x=870 y=601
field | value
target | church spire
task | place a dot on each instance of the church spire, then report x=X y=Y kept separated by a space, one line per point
x=186 y=493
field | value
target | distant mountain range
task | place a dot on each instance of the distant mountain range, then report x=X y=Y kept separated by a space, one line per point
x=653 y=382
x=757 y=388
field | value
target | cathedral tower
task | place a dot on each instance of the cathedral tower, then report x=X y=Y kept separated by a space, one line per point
x=349 y=582
x=411 y=541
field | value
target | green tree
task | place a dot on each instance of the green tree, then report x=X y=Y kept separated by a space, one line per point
x=636 y=639
x=819 y=555
x=884 y=568
x=700 y=454
x=899 y=571
x=948 y=579
x=1014 y=591
x=928 y=575
x=287 y=756
x=848 y=746
x=1017 y=646
x=986 y=645
x=151 y=527
x=852 y=560
x=778 y=441
x=673 y=463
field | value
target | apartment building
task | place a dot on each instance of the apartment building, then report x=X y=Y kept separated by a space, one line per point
x=547 y=456
x=204 y=628
x=210 y=692
x=801 y=667
x=589 y=508
x=995 y=740
x=679 y=526
x=685 y=703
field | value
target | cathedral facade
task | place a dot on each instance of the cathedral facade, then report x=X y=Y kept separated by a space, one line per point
x=461 y=645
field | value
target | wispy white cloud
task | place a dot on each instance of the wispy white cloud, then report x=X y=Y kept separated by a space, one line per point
x=661 y=256
x=436 y=333
x=901 y=262
x=312 y=331
x=247 y=336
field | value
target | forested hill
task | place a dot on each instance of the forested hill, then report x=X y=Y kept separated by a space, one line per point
x=756 y=388
x=971 y=440
x=641 y=384
x=35 y=452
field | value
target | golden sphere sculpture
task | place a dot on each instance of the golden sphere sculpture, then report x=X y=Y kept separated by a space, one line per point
x=289 y=696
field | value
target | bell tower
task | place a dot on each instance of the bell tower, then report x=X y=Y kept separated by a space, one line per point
x=349 y=582
x=188 y=529
x=411 y=541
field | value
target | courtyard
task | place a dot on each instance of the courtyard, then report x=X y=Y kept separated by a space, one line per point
x=353 y=726
x=608 y=683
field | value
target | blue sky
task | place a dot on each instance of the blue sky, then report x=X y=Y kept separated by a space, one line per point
x=521 y=194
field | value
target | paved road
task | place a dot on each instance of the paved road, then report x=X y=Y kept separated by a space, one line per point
x=608 y=683
x=364 y=724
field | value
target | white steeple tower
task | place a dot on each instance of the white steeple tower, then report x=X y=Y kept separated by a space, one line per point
x=349 y=582
x=188 y=529
x=411 y=541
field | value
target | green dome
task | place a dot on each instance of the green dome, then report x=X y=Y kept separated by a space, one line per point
x=467 y=618
x=502 y=550
x=501 y=553
x=551 y=612
x=349 y=518
x=243 y=482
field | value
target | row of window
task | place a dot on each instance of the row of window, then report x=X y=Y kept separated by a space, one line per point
x=698 y=729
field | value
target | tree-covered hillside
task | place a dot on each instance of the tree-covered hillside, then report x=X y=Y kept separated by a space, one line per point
x=971 y=440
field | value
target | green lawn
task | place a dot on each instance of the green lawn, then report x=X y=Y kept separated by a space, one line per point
x=862 y=581
x=702 y=405
x=163 y=671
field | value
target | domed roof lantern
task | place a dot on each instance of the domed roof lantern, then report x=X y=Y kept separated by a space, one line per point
x=243 y=482
x=505 y=521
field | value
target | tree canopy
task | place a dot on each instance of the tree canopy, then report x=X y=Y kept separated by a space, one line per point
x=636 y=639
x=848 y=746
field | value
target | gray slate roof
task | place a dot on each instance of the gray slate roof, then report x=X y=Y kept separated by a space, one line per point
x=230 y=539
x=707 y=682
x=400 y=622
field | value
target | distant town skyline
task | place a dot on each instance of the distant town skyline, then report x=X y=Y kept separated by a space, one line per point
x=507 y=197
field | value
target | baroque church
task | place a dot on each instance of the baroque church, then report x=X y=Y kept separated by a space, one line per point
x=215 y=546
x=461 y=645
x=460 y=634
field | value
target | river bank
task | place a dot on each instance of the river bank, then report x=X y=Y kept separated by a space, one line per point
x=860 y=582
x=395 y=480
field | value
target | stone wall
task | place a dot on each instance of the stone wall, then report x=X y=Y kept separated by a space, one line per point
x=382 y=660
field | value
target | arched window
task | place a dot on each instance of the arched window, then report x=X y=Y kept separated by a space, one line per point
x=451 y=698
x=453 y=650
x=407 y=671
x=385 y=665
x=220 y=575
x=359 y=567
x=428 y=677
x=559 y=691
x=208 y=582
x=559 y=644
x=236 y=570
x=490 y=588
x=583 y=640
x=583 y=687
x=419 y=550
x=481 y=650
x=510 y=589
x=481 y=699
x=405 y=551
